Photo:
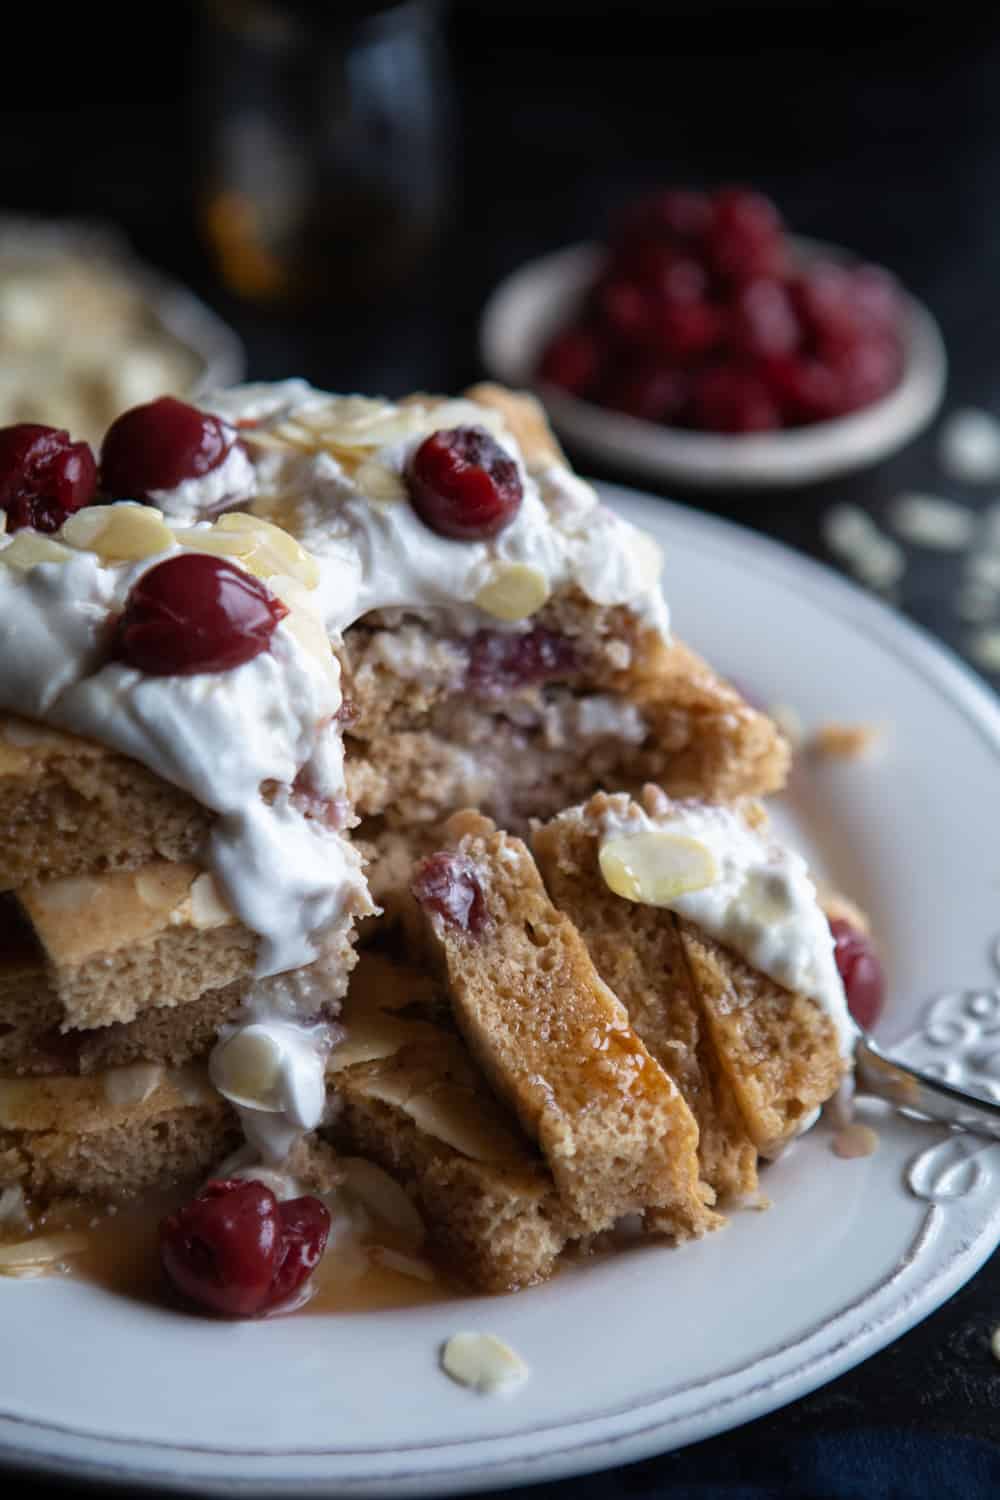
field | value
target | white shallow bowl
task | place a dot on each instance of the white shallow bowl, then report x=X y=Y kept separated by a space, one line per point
x=655 y=1347
x=535 y=301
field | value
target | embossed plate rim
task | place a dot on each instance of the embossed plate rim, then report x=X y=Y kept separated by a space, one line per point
x=947 y=1246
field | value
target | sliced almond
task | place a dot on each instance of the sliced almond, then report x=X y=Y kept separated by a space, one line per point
x=273 y=548
x=126 y=532
x=208 y=909
x=655 y=867
x=246 y=1069
x=515 y=592
x=384 y=1199
x=133 y=1084
x=29 y=548
x=406 y=1265
x=33 y=1257
x=447 y=1112
x=157 y=887
x=483 y=1362
x=378 y=482
x=235 y=544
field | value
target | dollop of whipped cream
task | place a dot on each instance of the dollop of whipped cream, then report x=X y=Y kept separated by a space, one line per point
x=753 y=894
x=330 y=469
x=230 y=483
x=237 y=741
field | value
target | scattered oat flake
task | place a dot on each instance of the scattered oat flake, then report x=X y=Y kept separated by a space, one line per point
x=969 y=446
x=984 y=649
x=845 y=741
x=483 y=1362
x=855 y=1140
x=789 y=721
x=929 y=521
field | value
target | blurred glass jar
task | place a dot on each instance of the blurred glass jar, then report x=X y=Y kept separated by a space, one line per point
x=324 y=134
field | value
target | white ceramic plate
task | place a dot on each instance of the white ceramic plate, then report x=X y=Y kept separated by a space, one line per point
x=657 y=1347
x=528 y=307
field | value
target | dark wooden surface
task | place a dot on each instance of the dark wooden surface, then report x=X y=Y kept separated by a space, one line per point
x=879 y=130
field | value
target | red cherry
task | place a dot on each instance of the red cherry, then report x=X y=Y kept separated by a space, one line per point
x=448 y=884
x=222 y=1249
x=304 y=1228
x=653 y=393
x=745 y=239
x=195 y=613
x=500 y=663
x=861 y=971
x=463 y=484
x=684 y=331
x=159 y=445
x=44 y=476
x=731 y=399
x=571 y=361
x=623 y=309
x=764 y=321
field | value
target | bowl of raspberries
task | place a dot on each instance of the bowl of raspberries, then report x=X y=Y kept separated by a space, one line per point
x=705 y=343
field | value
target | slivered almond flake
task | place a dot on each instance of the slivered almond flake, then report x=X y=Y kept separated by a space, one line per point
x=33 y=1257
x=446 y=1111
x=969 y=446
x=845 y=741
x=854 y=1141
x=657 y=866
x=871 y=556
x=930 y=521
x=977 y=602
x=995 y=1343
x=484 y=1362
x=133 y=1084
x=515 y=592
x=406 y=1265
x=384 y=1198
x=208 y=909
x=984 y=649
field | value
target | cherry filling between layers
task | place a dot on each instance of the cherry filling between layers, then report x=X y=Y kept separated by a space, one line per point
x=157 y=446
x=463 y=485
x=235 y=1250
x=500 y=662
x=195 y=613
x=447 y=884
x=44 y=476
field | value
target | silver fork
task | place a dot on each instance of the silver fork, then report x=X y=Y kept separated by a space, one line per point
x=877 y=1073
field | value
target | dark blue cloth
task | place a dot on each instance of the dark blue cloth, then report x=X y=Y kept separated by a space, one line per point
x=858 y=1464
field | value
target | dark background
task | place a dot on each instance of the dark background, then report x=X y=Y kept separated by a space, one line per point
x=874 y=127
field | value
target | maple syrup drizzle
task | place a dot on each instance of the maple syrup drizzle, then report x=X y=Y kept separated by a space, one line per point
x=122 y=1256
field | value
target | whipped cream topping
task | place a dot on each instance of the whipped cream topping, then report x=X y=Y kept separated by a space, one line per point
x=259 y=745
x=761 y=903
x=229 y=483
x=222 y=737
x=330 y=470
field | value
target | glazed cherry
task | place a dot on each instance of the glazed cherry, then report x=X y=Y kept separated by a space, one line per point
x=731 y=399
x=195 y=613
x=304 y=1225
x=222 y=1249
x=572 y=361
x=500 y=663
x=158 y=446
x=861 y=971
x=448 y=885
x=44 y=477
x=463 y=485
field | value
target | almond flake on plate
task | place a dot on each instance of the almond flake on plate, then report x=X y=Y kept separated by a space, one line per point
x=483 y=1362
x=930 y=521
x=969 y=446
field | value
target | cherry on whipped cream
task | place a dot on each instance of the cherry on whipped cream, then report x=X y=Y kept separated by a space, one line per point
x=861 y=971
x=448 y=885
x=44 y=476
x=195 y=613
x=463 y=485
x=234 y=1249
x=157 y=446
